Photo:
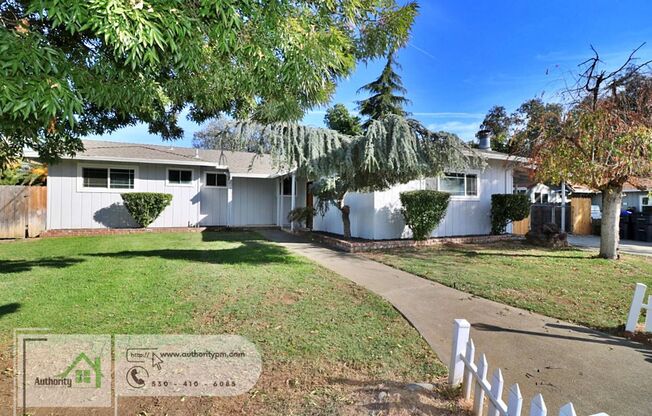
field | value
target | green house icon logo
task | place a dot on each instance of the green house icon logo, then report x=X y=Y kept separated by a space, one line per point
x=84 y=371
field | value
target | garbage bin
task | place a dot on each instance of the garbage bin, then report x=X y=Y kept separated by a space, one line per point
x=624 y=228
x=644 y=227
x=644 y=233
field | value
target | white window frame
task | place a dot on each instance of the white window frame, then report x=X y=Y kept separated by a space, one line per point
x=186 y=185
x=108 y=167
x=464 y=197
x=206 y=185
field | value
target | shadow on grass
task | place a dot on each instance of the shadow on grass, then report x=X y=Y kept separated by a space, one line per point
x=593 y=336
x=17 y=266
x=8 y=308
x=249 y=252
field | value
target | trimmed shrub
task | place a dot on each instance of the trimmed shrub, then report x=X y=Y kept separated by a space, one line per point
x=423 y=211
x=145 y=207
x=301 y=215
x=506 y=208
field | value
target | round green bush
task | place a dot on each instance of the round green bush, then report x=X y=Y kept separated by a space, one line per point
x=506 y=208
x=145 y=207
x=423 y=211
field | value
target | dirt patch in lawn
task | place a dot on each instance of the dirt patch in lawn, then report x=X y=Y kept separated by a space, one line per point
x=283 y=389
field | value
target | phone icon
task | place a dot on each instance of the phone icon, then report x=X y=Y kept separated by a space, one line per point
x=136 y=377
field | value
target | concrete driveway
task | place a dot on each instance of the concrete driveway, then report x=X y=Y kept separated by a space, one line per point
x=626 y=246
x=564 y=362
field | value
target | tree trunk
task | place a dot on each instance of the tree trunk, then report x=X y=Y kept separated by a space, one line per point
x=346 y=222
x=609 y=235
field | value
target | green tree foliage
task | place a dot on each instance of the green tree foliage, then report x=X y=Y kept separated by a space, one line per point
x=506 y=208
x=78 y=67
x=339 y=118
x=392 y=150
x=423 y=210
x=145 y=207
x=498 y=123
x=517 y=133
x=385 y=93
x=26 y=172
x=602 y=139
x=529 y=120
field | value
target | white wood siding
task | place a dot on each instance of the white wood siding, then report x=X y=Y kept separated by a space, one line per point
x=362 y=216
x=377 y=215
x=68 y=208
x=214 y=203
x=254 y=201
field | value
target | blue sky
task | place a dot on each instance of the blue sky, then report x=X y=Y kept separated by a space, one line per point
x=468 y=55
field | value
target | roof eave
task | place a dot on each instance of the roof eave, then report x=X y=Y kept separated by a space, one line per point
x=148 y=161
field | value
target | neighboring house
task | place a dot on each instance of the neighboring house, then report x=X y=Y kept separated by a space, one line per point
x=636 y=194
x=540 y=193
x=238 y=189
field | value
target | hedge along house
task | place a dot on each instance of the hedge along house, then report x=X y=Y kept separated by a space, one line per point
x=208 y=187
x=239 y=189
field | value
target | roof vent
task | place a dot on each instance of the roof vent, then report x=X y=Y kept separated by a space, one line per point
x=197 y=153
x=484 y=140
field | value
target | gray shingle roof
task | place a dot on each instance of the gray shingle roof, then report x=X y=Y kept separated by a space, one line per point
x=235 y=162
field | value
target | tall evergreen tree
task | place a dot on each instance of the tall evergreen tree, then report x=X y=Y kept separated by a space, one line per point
x=386 y=94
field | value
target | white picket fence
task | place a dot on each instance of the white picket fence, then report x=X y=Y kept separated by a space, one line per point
x=474 y=381
x=636 y=307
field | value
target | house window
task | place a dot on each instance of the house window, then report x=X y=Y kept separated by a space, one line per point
x=106 y=178
x=459 y=184
x=646 y=204
x=287 y=186
x=121 y=178
x=216 y=179
x=95 y=178
x=179 y=177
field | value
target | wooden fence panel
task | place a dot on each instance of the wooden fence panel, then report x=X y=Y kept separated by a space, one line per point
x=521 y=227
x=22 y=211
x=37 y=211
x=581 y=216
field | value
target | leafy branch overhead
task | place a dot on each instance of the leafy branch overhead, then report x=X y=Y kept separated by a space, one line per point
x=78 y=67
x=392 y=150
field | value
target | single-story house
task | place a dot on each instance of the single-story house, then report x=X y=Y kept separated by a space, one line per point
x=541 y=193
x=636 y=194
x=239 y=189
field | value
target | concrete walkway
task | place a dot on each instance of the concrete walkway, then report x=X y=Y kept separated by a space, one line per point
x=565 y=362
x=626 y=246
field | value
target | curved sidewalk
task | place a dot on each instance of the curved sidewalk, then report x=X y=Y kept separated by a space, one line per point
x=564 y=362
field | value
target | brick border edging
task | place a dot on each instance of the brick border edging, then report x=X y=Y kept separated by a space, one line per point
x=87 y=232
x=364 y=246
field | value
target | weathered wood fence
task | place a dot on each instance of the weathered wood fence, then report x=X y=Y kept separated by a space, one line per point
x=521 y=227
x=473 y=377
x=22 y=211
x=636 y=307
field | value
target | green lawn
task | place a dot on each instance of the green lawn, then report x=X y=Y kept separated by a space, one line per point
x=567 y=284
x=311 y=326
